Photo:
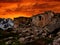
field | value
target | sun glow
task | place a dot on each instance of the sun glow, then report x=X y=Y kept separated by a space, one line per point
x=27 y=8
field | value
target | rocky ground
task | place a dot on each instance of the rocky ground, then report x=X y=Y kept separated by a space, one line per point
x=22 y=31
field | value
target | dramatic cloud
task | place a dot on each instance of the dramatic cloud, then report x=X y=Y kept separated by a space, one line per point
x=16 y=8
x=24 y=0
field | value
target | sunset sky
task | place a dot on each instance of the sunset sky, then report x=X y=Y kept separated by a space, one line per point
x=27 y=8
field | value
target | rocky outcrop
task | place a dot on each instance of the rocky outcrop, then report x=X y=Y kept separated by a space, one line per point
x=26 y=30
x=42 y=19
x=56 y=41
x=40 y=25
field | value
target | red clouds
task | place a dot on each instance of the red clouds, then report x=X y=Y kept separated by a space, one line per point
x=16 y=8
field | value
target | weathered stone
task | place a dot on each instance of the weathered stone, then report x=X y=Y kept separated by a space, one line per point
x=56 y=41
x=8 y=42
x=22 y=39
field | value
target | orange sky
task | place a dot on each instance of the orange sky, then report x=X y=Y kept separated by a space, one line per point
x=16 y=8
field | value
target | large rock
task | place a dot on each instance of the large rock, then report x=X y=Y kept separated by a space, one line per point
x=56 y=41
x=42 y=19
x=22 y=22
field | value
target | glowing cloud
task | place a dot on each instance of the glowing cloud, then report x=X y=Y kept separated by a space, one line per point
x=16 y=8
